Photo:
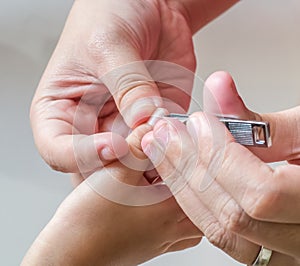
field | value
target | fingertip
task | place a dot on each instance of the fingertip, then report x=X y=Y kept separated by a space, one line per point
x=197 y=124
x=147 y=140
x=141 y=110
x=221 y=96
x=158 y=114
x=120 y=146
x=111 y=146
x=219 y=79
x=107 y=154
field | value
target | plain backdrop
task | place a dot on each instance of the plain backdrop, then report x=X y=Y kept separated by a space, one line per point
x=257 y=41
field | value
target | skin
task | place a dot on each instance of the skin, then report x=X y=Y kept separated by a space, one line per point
x=72 y=133
x=90 y=86
x=91 y=79
x=88 y=229
x=83 y=70
x=241 y=203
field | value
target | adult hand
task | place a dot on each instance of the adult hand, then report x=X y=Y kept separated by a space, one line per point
x=221 y=98
x=89 y=229
x=235 y=199
x=97 y=71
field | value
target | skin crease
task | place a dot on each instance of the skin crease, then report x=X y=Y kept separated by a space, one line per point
x=82 y=92
x=83 y=87
x=107 y=233
x=65 y=111
x=72 y=77
x=223 y=97
x=239 y=210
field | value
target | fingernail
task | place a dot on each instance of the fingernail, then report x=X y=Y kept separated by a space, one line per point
x=199 y=126
x=107 y=154
x=157 y=115
x=161 y=133
x=140 y=111
x=148 y=146
x=148 y=150
x=194 y=128
x=157 y=101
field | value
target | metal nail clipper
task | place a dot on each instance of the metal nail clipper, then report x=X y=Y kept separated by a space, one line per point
x=245 y=132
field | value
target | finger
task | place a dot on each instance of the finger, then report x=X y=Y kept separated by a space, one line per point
x=225 y=231
x=79 y=153
x=221 y=97
x=232 y=218
x=132 y=87
x=229 y=213
x=283 y=238
x=95 y=151
x=64 y=133
x=279 y=259
x=134 y=84
x=157 y=153
x=173 y=153
x=263 y=193
x=135 y=158
x=175 y=83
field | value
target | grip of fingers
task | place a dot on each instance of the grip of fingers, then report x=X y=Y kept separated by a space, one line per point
x=170 y=148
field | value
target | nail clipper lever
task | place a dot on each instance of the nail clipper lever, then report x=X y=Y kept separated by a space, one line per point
x=245 y=132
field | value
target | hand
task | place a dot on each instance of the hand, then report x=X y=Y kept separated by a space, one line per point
x=221 y=97
x=89 y=229
x=97 y=71
x=234 y=198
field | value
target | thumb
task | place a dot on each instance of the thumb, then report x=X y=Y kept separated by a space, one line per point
x=221 y=98
x=132 y=87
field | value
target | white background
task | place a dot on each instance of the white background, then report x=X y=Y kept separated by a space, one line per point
x=257 y=41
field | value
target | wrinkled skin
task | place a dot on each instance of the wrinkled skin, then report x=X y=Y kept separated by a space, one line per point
x=238 y=201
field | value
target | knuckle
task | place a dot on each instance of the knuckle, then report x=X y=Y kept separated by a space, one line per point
x=182 y=166
x=218 y=236
x=189 y=164
x=57 y=168
x=234 y=218
x=182 y=173
x=54 y=165
x=264 y=201
x=126 y=84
